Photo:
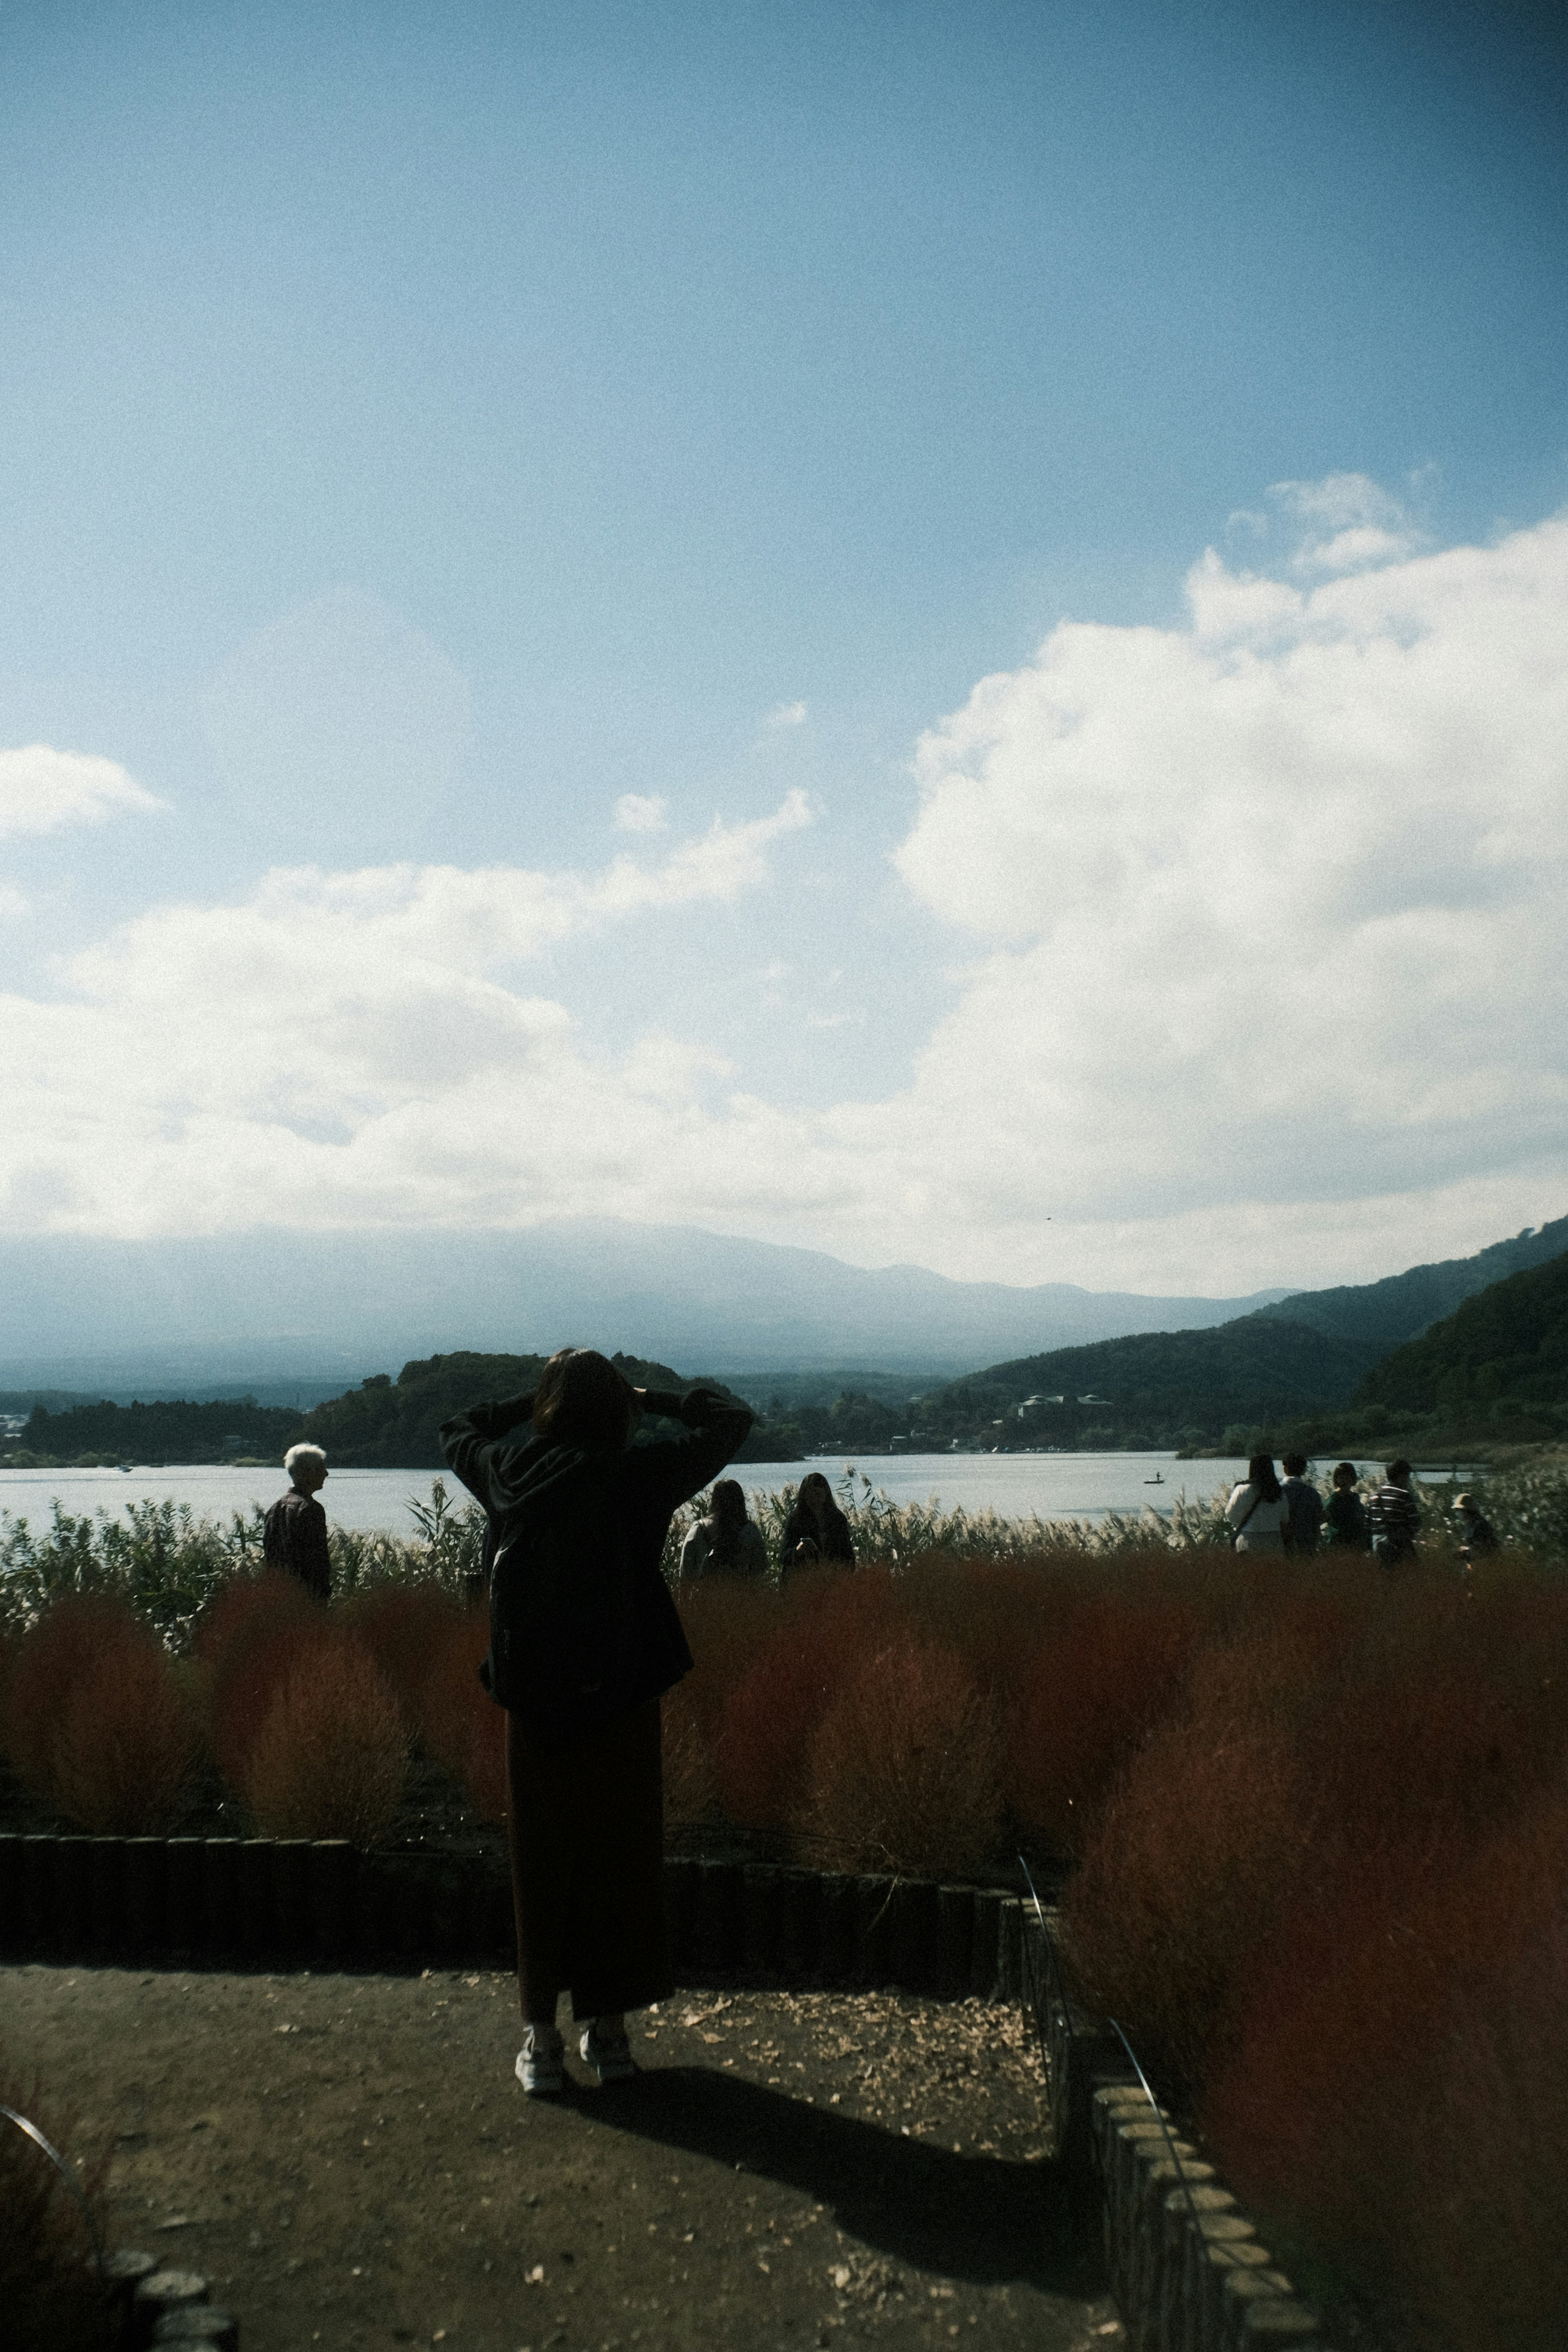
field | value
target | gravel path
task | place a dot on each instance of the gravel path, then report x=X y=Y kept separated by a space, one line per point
x=352 y=2161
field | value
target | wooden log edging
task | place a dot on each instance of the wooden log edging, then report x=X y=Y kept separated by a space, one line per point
x=325 y=1902
x=1188 y=2269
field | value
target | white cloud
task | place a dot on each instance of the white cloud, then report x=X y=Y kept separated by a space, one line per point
x=785 y=714
x=42 y=789
x=1262 y=917
x=351 y=1046
x=641 y=813
x=1273 y=902
x=1351 y=522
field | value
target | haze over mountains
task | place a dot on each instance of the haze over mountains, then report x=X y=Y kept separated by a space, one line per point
x=311 y=1313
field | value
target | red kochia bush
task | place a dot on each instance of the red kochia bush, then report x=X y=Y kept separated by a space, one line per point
x=1181 y=1885
x=404 y=1626
x=236 y=1606
x=765 y=1724
x=51 y=1658
x=329 y=1759
x=1083 y=1698
x=1399 y=2086
x=124 y=1755
x=98 y=1721
x=248 y=1671
x=727 y=1621
x=460 y=1727
x=902 y=1773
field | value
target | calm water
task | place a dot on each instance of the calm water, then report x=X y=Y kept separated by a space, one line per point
x=1057 y=1486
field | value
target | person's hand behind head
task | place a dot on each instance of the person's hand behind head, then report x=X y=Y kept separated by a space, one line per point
x=699 y=1404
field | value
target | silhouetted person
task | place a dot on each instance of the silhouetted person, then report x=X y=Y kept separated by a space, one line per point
x=816 y=1530
x=1395 y=1516
x=294 y=1532
x=1303 y=1505
x=724 y=1542
x=1476 y=1532
x=584 y=1639
x=1344 y=1514
x=1257 y=1509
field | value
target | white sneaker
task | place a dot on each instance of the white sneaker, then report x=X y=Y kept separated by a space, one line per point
x=609 y=2055
x=539 y=2062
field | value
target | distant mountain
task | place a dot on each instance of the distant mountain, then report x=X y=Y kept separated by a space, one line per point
x=280 y=1311
x=1280 y=1364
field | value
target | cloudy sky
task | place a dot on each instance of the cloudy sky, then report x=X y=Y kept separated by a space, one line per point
x=936 y=631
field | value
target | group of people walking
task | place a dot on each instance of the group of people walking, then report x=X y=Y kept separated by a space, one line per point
x=1269 y=1514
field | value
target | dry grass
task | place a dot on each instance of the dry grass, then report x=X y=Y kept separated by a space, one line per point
x=99 y=1720
x=404 y=1624
x=460 y=1727
x=49 y=1660
x=331 y=1758
x=903 y=1772
x=49 y=2289
x=236 y=1608
x=126 y=1753
x=1399 y=2087
x=245 y=1683
x=1082 y=1700
x=691 y=1784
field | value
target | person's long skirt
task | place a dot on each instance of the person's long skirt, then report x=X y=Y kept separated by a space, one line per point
x=586 y=1830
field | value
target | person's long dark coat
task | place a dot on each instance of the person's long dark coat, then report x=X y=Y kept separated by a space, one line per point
x=584 y=1639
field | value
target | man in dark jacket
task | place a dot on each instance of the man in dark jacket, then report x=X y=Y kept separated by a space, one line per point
x=294 y=1532
x=1304 y=1502
x=585 y=1640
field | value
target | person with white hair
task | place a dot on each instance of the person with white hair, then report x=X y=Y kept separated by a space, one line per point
x=295 y=1529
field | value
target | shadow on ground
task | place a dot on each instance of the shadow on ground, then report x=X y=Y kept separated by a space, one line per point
x=970 y=2217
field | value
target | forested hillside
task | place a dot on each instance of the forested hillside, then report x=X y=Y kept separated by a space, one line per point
x=1504 y=1356
x=1295 y=1362
x=159 y=1433
x=1401 y=1304
x=394 y=1424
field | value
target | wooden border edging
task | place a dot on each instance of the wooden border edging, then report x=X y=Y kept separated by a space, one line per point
x=298 y=1902
x=1188 y=2270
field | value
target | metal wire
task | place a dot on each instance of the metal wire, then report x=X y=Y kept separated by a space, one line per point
x=1164 y=2134
x=1132 y=2054
x=30 y=2130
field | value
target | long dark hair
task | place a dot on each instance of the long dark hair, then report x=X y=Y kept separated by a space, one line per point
x=582 y=1399
x=1260 y=1477
x=726 y=1517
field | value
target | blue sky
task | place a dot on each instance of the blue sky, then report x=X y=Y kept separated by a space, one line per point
x=420 y=432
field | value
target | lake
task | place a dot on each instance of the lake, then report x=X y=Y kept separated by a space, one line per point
x=1057 y=1486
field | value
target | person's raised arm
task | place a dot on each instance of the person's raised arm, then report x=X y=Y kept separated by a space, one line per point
x=468 y=1440
x=716 y=1428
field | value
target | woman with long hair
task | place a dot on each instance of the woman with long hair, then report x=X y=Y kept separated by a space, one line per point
x=1257 y=1509
x=585 y=1640
x=725 y=1542
x=816 y=1530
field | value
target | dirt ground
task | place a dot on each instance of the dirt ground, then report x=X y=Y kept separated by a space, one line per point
x=352 y=2162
